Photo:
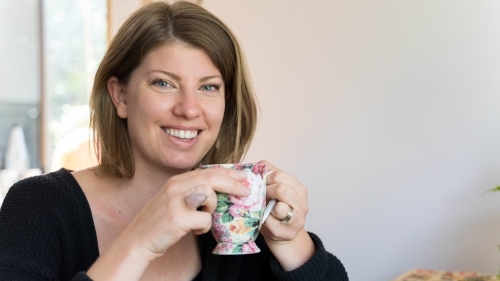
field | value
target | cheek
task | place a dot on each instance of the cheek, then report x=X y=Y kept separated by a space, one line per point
x=144 y=108
x=219 y=113
x=214 y=113
x=143 y=114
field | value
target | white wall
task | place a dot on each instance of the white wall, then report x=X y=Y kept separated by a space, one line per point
x=119 y=11
x=389 y=111
x=19 y=51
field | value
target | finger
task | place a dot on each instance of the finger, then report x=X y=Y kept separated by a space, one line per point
x=284 y=178
x=235 y=174
x=279 y=176
x=287 y=215
x=289 y=196
x=224 y=184
x=280 y=210
x=270 y=166
x=232 y=173
x=210 y=204
x=200 y=222
x=219 y=179
x=195 y=200
x=283 y=232
x=202 y=195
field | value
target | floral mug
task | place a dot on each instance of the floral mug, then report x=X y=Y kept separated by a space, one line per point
x=237 y=220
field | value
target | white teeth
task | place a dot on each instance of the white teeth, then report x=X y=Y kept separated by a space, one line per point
x=182 y=134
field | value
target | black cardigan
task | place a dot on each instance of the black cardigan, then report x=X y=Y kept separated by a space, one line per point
x=47 y=233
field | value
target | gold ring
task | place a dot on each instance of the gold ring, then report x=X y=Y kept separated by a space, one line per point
x=288 y=217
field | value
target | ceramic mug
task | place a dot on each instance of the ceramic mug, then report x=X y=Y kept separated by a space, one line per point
x=237 y=220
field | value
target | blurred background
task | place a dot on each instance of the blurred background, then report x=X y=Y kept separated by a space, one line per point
x=387 y=110
x=49 y=53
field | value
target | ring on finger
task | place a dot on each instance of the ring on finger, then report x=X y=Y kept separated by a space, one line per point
x=288 y=217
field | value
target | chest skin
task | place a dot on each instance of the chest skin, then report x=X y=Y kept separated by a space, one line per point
x=182 y=261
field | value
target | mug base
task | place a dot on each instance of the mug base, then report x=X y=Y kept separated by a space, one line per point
x=228 y=248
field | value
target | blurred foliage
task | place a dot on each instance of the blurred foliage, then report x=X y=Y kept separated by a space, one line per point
x=495 y=189
x=75 y=42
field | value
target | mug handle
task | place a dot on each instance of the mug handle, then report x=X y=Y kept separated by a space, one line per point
x=267 y=211
x=269 y=206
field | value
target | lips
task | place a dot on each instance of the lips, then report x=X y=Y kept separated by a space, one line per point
x=182 y=134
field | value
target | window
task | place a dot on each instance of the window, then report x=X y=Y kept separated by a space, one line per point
x=74 y=43
x=50 y=50
x=20 y=74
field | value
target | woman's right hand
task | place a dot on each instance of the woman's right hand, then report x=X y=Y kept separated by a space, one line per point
x=172 y=212
x=165 y=219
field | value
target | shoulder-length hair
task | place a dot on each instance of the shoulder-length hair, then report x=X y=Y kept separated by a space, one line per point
x=148 y=28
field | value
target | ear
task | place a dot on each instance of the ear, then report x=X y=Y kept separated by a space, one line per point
x=117 y=93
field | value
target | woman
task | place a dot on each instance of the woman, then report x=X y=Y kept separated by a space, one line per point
x=171 y=93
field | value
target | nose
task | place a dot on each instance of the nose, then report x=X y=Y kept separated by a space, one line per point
x=186 y=105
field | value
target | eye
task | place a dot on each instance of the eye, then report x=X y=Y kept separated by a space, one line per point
x=210 y=87
x=160 y=83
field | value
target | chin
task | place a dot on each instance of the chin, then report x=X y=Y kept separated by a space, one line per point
x=182 y=161
x=182 y=164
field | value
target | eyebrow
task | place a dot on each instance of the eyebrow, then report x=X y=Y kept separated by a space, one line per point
x=178 y=78
x=209 y=77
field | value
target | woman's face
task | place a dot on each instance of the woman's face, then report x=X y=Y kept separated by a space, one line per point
x=174 y=105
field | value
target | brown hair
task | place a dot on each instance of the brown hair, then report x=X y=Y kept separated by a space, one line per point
x=153 y=26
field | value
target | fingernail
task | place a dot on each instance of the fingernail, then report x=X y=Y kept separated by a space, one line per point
x=194 y=200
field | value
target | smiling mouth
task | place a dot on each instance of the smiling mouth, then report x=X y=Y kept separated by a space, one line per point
x=182 y=134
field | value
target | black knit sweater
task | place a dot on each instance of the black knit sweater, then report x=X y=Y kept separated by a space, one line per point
x=47 y=233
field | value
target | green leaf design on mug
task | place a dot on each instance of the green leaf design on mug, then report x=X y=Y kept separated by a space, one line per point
x=223 y=203
x=221 y=196
x=237 y=249
x=222 y=208
x=257 y=214
x=226 y=217
x=252 y=222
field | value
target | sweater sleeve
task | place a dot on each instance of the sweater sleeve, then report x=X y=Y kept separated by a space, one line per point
x=323 y=266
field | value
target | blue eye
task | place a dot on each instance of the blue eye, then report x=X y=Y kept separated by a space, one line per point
x=210 y=87
x=160 y=83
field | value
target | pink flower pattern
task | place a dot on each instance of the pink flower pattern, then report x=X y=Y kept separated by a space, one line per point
x=235 y=223
x=250 y=247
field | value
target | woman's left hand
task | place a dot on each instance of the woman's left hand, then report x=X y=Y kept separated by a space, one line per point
x=291 y=196
x=284 y=229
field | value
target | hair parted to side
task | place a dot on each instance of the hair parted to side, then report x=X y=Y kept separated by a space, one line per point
x=153 y=26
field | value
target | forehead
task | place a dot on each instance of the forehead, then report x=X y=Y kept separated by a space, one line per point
x=180 y=58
